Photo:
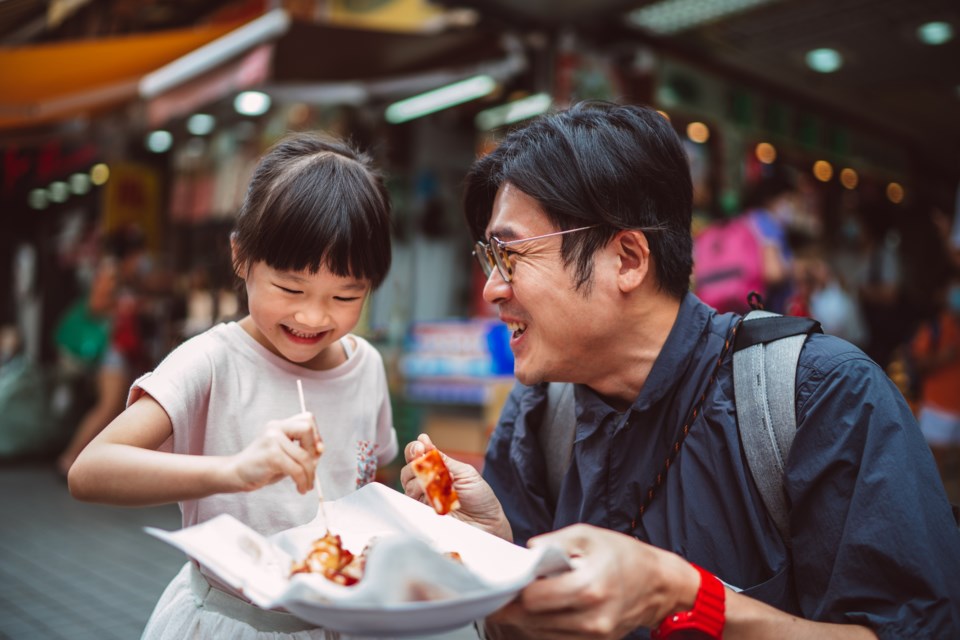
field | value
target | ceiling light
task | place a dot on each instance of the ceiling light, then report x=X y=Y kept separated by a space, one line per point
x=79 y=183
x=58 y=191
x=439 y=99
x=38 y=199
x=935 y=32
x=200 y=124
x=766 y=152
x=822 y=170
x=895 y=192
x=824 y=60
x=513 y=111
x=99 y=174
x=849 y=178
x=698 y=132
x=672 y=16
x=159 y=141
x=252 y=103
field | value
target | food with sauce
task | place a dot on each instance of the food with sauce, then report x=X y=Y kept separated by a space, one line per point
x=436 y=481
x=329 y=558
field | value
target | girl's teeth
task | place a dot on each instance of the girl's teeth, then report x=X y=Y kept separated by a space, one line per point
x=300 y=334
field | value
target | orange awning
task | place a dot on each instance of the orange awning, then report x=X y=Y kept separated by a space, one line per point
x=43 y=83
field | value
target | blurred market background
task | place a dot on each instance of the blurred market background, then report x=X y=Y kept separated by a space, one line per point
x=128 y=130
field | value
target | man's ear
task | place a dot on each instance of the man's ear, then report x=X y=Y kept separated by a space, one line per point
x=633 y=255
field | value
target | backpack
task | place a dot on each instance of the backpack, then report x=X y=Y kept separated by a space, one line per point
x=728 y=264
x=765 y=355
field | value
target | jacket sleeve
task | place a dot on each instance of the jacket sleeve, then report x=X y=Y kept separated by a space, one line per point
x=874 y=539
x=514 y=466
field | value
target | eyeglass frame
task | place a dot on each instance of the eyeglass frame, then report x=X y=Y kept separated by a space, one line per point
x=499 y=257
x=501 y=262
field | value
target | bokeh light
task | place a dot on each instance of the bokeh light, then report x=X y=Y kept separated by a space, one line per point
x=822 y=170
x=849 y=178
x=766 y=153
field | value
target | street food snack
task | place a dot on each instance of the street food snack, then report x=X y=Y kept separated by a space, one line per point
x=436 y=481
x=329 y=558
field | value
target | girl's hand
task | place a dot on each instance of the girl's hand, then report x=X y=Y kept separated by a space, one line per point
x=478 y=505
x=289 y=447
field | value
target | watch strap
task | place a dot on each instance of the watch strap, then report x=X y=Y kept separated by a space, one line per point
x=706 y=619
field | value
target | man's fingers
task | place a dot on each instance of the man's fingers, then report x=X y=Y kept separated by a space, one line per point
x=412 y=451
x=568 y=591
x=418 y=447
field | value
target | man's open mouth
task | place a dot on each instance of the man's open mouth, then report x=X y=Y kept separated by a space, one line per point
x=516 y=328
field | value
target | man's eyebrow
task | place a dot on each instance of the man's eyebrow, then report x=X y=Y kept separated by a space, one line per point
x=502 y=233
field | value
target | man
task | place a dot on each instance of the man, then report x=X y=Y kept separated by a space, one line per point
x=584 y=226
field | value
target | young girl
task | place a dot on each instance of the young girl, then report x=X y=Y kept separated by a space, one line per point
x=218 y=426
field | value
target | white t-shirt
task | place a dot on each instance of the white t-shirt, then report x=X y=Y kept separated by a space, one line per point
x=220 y=389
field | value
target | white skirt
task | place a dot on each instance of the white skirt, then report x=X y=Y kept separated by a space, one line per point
x=191 y=608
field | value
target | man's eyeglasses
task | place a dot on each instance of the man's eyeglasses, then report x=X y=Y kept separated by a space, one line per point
x=496 y=254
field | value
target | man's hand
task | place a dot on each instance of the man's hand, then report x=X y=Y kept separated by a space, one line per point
x=478 y=505
x=617 y=584
x=289 y=447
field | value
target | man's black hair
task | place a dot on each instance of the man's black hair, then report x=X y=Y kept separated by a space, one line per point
x=618 y=166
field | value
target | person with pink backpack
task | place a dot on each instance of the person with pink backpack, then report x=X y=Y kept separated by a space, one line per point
x=728 y=264
x=732 y=258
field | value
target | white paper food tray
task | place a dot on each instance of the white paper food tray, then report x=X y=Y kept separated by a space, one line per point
x=408 y=587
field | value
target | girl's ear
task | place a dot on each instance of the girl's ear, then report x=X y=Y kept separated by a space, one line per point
x=237 y=268
x=633 y=255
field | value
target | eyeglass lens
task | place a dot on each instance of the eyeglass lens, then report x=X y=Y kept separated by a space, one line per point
x=493 y=255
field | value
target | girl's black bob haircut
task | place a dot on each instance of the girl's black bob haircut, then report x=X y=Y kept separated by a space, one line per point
x=315 y=201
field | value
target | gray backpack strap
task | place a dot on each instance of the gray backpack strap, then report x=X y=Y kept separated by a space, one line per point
x=764 y=378
x=556 y=434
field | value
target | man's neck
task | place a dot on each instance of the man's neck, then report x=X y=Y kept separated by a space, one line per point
x=627 y=365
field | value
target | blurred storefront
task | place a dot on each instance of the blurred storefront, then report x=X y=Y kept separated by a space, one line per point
x=161 y=130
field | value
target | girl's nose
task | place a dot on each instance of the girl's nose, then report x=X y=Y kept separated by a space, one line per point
x=496 y=289
x=312 y=316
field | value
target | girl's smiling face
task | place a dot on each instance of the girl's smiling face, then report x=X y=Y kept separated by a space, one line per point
x=300 y=315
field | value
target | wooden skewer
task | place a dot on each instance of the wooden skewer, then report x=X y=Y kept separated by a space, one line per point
x=316 y=480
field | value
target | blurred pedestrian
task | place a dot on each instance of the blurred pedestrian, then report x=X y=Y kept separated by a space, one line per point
x=749 y=252
x=936 y=359
x=114 y=299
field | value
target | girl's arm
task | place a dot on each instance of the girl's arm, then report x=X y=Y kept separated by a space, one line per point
x=122 y=465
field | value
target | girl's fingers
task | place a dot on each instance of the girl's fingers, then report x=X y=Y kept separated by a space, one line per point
x=298 y=464
x=303 y=428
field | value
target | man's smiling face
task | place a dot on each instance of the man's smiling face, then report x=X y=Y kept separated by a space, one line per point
x=552 y=325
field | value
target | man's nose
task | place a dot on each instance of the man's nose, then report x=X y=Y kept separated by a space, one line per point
x=496 y=289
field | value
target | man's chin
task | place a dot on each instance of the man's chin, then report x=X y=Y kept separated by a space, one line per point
x=527 y=378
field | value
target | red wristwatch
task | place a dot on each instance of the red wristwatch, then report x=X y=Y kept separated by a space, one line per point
x=706 y=618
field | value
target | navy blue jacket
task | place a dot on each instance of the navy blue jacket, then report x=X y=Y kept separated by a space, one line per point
x=873 y=537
